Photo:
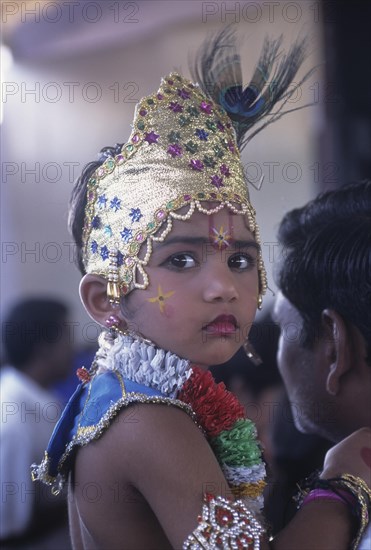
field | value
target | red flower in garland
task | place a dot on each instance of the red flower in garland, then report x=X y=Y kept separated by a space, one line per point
x=217 y=409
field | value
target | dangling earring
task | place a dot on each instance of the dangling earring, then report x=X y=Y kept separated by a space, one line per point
x=113 y=290
x=260 y=302
x=251 y=353
x=112 y=323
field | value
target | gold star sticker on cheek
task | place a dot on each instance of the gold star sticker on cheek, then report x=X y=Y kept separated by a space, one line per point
x=161 y=297
x=220 y=238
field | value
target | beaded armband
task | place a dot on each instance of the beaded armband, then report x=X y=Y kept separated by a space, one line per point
x=225 y=524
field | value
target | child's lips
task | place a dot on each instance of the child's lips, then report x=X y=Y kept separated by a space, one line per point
x=223 y=324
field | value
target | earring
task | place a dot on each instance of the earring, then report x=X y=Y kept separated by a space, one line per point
x=251 y=353
x=113 y=290
x=260 y=302
x=112 y=323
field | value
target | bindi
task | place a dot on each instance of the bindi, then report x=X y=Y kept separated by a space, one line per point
x=220 y=238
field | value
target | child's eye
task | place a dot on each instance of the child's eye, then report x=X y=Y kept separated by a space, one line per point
x=182 y=261
x=241 y=261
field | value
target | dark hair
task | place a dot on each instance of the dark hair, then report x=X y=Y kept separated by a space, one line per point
x=76 y=216
x=29 y=324
x=326 y=259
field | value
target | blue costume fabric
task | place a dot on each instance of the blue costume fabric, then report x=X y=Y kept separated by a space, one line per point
x=89 y=412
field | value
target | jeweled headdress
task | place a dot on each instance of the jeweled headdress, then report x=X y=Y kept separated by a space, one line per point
x=183 y=153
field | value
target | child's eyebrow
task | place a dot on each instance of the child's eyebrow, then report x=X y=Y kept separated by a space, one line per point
x=196 y=241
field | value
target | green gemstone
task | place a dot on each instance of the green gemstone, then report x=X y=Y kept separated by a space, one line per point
x=209 y=161
x=130 y=147
x=191 y=146
x=110 y=164
x=150 y=101
x=174 y=136
x=211 y=125
x=141 y=125
x=167 y=91
x=218 y=152
x=170 y=205
x=133 y=248
x=184 y=121
x=193 y=111
x=150 y=226
x=93 y=181
x=201 y=195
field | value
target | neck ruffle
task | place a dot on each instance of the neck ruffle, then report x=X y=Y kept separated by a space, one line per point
x=146 y=364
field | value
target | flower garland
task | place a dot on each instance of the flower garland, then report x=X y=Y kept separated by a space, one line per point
x=231 y=435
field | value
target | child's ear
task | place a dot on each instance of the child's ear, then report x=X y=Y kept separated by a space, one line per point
x=93 y=294
x=337 y=349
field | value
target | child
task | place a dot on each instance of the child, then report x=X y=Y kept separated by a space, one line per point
x=172 y=267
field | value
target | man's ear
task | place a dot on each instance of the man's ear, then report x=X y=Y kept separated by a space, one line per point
x=93 y=294
x=337 y=349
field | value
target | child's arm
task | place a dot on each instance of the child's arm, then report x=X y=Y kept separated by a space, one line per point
x=161 y=464
x=172 y=466
x=158 y=453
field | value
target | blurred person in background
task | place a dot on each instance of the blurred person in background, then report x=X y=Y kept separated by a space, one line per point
x=38 y=354
x=324 y=311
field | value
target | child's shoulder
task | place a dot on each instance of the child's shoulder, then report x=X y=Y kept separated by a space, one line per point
x=108 y=400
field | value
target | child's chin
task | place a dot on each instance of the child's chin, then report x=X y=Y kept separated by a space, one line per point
x=218 y=356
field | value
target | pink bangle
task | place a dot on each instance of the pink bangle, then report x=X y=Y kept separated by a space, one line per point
x=327 y=494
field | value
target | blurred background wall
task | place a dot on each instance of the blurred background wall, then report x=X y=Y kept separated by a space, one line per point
x=72 y=72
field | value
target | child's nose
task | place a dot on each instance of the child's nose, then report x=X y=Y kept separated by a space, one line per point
x=219 y=285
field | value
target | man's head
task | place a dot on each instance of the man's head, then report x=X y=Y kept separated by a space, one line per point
x=324 y=309
x=36 y=340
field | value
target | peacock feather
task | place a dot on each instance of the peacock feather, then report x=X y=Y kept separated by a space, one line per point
x=217 y=69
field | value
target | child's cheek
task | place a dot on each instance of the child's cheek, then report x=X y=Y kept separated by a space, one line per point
x=169 y=311
x=161 y=301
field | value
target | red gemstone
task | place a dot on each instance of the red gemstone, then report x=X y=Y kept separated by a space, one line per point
x=83 y=374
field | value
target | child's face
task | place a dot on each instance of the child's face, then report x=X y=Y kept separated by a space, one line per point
x=203 y=289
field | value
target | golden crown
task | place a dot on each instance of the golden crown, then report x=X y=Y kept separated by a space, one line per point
x=181 y=154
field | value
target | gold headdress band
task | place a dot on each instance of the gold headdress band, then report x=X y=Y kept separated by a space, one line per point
x=182 y=152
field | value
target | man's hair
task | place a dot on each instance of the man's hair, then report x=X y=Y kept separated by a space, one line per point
x=76 y=217
x=326 y=259
x=30 y=324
